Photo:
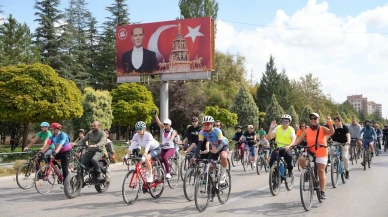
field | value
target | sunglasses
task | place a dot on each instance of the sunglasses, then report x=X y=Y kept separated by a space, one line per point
x=285 y=121
x=194 y=121
x=207 y=124
x=313 y=118
x=139 y=128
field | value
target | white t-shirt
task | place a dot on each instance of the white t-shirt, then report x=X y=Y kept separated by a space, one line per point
x=147 y=142
x=292 y=134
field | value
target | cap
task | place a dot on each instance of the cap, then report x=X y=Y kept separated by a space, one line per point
x=314 y=114
x=167 y=121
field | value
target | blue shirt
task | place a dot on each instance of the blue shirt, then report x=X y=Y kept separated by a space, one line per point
x=368 y=133
x=213 y=137
x=61 y=139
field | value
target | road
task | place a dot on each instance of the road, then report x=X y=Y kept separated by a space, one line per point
x=364 y=194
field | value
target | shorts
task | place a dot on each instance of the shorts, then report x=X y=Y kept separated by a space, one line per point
x=365 y=143
x=155 y=153
x=215 y=156
x=318 y=160
x=252 y=149
x=266 y=151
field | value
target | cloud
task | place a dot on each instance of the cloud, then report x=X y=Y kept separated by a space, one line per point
x=337 y=50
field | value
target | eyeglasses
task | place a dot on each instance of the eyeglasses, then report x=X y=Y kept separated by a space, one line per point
x=207 y=124
x=194 y=121
x=285 y=121
x=313 y=118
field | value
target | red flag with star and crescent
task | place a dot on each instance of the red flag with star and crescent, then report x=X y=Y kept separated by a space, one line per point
x=165 y=47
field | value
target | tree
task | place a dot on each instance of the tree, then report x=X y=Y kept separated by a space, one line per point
x=245 y=108
x=304 y=117
x=35 y=93
x=92 y=40
x=295 y=117
x=345 y=118
x=198 y=8
x=106 y=69
x=274 y=112
x=226 y=117
x=97 y=105
x=132 y=102
x=262 y=118
x=48 y=33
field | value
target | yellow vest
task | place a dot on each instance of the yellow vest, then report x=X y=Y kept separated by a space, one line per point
x=283 y=139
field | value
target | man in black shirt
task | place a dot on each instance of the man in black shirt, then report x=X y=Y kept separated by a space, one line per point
x=250 y=140
x=192 y=134
x=342 y=135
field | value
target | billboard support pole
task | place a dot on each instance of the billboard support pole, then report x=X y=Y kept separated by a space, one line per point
x=163 y=102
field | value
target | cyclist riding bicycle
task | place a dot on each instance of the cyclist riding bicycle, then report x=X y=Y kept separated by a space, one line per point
x=369 y=136
x=379 y=134
x=192 y=134
x=219 y=144
x=96 y=139
x=263 y=143
x=317 y=134
x=43 y=136
x=284 y=136
x=354 y=129
x=151 y=148
x=239 y=144
x=342 y=135
x=168 y=148
x=250 y=140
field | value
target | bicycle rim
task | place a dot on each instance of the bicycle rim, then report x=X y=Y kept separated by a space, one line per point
x=131 y=187
x=159 y=180
x=243 y=163
x=364 y=159
x=334 y=172
x=45 y=182
x=274 y=180
x=189 y=184
x=224 y=189
x=174 y=172
x=203 y=190
x=369 y=160
x=306 y=190
x=289 y=181
x=25 y=175
x=72 y=185
x=259 y=165
x=183 y=168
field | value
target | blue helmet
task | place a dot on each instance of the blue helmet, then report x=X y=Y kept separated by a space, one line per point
x=44 y=124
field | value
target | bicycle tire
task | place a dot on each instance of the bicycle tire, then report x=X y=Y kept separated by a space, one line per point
x=131 y=174
x=306 y=204
x=158 y=173
x=183 y=168
x=68 y=187
x=38 y=183
x=228 y=182
x=334 y=172
x=28 y=173
x=289 y=183
x=274 y=179
x=365 y=156
x=243 y=162
x=369 y=160
x=189 y=183
x=198 y=183
x=174 y=172
x=259 y=165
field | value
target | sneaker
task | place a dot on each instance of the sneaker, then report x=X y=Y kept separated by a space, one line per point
x=323 y=195
x=347 y=176
x=290 y=174
x=254 y=165
x=168 y=176
x=149 y=177
x=328 y=164
x=362 y=163
x=222 y=179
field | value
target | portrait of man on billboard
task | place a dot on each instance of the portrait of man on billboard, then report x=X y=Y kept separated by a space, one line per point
x=139 y=59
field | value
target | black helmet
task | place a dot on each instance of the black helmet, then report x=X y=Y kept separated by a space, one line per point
x=194 y=118
x=368 y=121
x=239 y=127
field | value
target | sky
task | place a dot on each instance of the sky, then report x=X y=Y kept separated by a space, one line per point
x=342 y=42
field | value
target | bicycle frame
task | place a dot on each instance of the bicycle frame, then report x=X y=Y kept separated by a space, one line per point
x=138 y=174
x=337 y=153
x=52 y=166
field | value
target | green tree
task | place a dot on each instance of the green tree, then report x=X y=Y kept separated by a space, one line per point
x=245 y=108
x=345 y=118
x=35 y=93
x=274 y=112
x=226 y=117
x=92 y=40
x=106 y=69
x=132 y=102
x=48 y=33
x=304 y=116
x=198 y=8
x=262 y=116
x=97 y=105
x=295 y=117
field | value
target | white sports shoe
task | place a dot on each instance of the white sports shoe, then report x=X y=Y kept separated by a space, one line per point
x=149 y=177
x=168 y=176
x=222 y=178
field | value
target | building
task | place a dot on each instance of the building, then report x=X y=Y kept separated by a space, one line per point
x=374 y=107
x=358 y=102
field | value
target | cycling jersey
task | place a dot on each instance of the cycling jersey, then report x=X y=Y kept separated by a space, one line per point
x=237 y=136
x=311 y=136
x=250 y=138
x=283 y=137
x=147 y=142
x=192 y=134
x=61 y=139
x=369 y=133
x=43 y=136
x=385 y=132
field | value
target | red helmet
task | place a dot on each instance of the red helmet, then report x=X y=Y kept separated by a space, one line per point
x=56 y=126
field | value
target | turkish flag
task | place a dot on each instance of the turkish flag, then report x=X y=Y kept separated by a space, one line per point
x=175 y=43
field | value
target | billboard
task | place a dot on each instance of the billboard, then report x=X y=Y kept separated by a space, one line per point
x=171 y=50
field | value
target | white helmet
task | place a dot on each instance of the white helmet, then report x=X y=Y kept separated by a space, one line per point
x=286 y=116
x=167 y=121
x=208 y=119
x=140 y=124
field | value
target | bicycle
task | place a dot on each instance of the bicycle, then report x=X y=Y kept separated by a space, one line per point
x=28 y=170
x=174 y=170
x=337 y=165
x=377 y=146
x=278 y=173
x=236 y=155
x=137 y=180
x=209 y=180
x=353 y=152
x=261 y=161
x=297 y=152
x=247 y=158
x=385 y=143
x=367 y=157
x=48 y=174
x=193 y=171
x=309 y=175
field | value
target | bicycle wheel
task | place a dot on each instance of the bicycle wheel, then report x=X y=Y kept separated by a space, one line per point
x=73 y=162
x=235 y=158
x=306 y=189
x=189 y=183
x=369 y=159
x=131 y=187
x=289 y=181
x=157 y=186
x=259 y=165
x=355 y=154
x=334 y=172
x=243 y=162
x=103 y=185
x=73 y=185
x=224 y=189
x=202 y=192
x=183 y=167
x=174 y=172
x=365 y=159
x=274 y=179
x=343 y=172
x=25 y=175
x=45 y=179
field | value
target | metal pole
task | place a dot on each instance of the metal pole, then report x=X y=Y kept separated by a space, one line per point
x=163 y=102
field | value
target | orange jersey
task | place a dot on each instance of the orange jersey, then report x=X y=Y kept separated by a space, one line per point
x=311 y=136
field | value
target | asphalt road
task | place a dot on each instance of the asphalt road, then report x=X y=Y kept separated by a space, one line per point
x=365 y=194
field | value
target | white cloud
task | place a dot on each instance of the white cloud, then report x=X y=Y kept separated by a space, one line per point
x=336 y=49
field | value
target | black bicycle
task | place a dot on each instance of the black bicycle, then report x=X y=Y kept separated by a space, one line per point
x=279 y=173
x=353 y=151
x=367 y=157
x=309 y=180
x=25 y=174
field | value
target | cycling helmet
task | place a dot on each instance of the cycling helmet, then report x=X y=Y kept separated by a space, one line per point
x=208 y=119
x=140 y=124
x=194 y=119
x=56 y=126
x=239 y=127
x=286 y=116
x=44 y=124
x=81 y=131
x=368 y=121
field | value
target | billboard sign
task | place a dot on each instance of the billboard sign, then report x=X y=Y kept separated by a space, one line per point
x=172 y=50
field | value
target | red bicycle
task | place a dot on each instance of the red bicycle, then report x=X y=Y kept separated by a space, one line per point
x=46 y=177
x=134 y=182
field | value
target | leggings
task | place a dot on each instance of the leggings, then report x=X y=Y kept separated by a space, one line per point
x=241 y=147
x=165 y=155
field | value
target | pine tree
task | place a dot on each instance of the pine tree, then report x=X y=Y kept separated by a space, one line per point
x=92 y=38
x=274 y=112
x=345 y=118
x=245 y=108
x=295 y=117
x=304 y=117
x=48 y=33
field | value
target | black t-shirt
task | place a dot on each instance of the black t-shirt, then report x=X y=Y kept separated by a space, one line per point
x=192 y=134
x=250 y=137
x=340 y=134
x=385 y=132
